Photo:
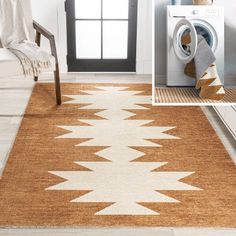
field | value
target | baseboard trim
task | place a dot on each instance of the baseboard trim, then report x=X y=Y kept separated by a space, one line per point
x=228 y=115
x=160 y=80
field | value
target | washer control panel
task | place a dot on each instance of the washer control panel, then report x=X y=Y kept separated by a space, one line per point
x=208 y=12
x=195 y=11
x=212 y=12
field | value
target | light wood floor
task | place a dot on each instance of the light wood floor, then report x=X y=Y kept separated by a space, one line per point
x=14 y=96
x=190 y=96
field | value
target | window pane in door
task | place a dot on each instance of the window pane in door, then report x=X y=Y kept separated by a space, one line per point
x=88 y=9
x=115 y=39
x=88 y=39
x=115 y=9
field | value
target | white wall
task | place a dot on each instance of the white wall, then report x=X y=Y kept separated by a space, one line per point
x=230 y=38
x=51 y=14
x=144 y=37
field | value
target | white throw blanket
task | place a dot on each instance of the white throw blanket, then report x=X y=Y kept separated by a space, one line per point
x=17 y=34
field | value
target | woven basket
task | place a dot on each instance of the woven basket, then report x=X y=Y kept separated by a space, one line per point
x=202 y=2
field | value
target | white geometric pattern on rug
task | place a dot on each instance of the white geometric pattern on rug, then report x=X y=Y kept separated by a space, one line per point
x=120 y=180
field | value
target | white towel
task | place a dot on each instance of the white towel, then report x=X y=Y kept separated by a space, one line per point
x=17 y=34
x=32 y=58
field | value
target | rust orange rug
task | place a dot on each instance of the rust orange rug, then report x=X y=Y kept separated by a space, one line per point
x=107 y=158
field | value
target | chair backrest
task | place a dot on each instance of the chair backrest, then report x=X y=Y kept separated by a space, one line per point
x=16 y=22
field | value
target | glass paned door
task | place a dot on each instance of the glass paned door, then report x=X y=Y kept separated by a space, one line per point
x=101 y=35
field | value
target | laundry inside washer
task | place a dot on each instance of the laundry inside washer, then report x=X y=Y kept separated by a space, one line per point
x=185 y=38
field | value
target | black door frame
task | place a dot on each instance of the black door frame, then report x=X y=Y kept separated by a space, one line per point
x=101 y=65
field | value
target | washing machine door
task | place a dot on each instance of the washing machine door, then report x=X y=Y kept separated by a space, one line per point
x=185 y=31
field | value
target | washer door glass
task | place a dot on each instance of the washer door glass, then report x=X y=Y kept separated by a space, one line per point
x=185 y=41
x=207 y=31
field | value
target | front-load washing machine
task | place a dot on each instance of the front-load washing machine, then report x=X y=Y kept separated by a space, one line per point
x=207 y=21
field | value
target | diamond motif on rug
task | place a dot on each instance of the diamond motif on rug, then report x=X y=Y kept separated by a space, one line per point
x=121 y=181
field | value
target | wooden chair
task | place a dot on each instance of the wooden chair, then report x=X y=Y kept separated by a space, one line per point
x=11 y=66
x=42 y=31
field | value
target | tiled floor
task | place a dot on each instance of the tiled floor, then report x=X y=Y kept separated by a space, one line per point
x=14 y=95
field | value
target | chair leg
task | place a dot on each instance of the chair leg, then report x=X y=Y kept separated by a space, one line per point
x=57 y=85
x=40 y=30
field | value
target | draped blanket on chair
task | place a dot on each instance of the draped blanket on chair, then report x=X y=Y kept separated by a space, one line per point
x=17 y=34
x=204 y=69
